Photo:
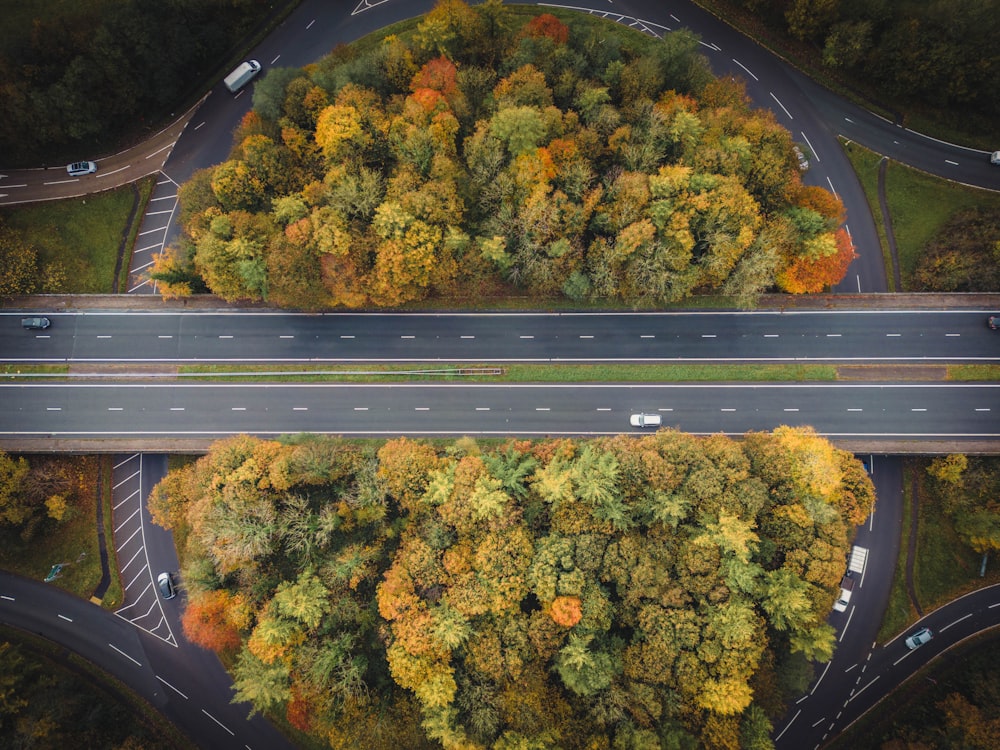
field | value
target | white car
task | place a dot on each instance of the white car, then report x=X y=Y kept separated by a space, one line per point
x=80 y=168
x=645 y=420
x=801 y=158
x=995 y=158
x=919 y=638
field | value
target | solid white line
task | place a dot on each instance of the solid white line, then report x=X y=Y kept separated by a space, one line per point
x=231 y=732
x=790 y=722
x=64 y=617
x=821 y=677
x=125 y=461
x=811 y=149
x=130 y=477
x=781 y=105
x=125 y=655
x=865 y=688
x=746 y=69
x=846 y=624
x=172 y=687
x=966 y=617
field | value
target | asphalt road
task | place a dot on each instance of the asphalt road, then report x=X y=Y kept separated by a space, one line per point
x=181 y=683
x=924 y=336
x=843 y=411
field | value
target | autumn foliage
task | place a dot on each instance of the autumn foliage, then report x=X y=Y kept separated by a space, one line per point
x=422 y=595
x=473 y=154
x=207 y=621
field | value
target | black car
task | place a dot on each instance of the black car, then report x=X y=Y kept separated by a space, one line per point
x=993 y=321
x=34 y=324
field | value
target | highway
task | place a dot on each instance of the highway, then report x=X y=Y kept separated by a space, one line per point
x=866 y=336
x=875 y=413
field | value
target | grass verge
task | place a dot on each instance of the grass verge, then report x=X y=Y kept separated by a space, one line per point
x=899 y=612
x=81 y=236
x=520 y=373
x=114 y=596
x=973 y=372
x=13 y=371
x=919 y=205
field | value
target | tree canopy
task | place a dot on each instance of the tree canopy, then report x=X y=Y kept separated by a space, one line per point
x=614 y=592
x=478 y=152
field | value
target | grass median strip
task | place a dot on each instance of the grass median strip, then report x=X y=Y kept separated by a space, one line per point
x=516 y=373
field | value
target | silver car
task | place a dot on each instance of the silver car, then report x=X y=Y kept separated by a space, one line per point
x=166 y=584
x=919 y=638
x=80 y=168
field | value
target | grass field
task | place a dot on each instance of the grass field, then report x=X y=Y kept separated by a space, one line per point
x=82 y=234
x=919 y=205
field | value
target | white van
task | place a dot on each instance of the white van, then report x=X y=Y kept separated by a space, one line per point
x=243 y=74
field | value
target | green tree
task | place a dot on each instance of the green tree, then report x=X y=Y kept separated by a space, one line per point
x=14 y=509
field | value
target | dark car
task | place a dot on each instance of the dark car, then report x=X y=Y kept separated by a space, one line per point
x=993 y=321
x=34 y=324
x=166 y=584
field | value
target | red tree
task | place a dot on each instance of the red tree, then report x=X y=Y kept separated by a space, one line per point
x=206 y=621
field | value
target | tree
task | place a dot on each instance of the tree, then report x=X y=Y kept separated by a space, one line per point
x=206 y=621
x=262 y=685
x=14 y=510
